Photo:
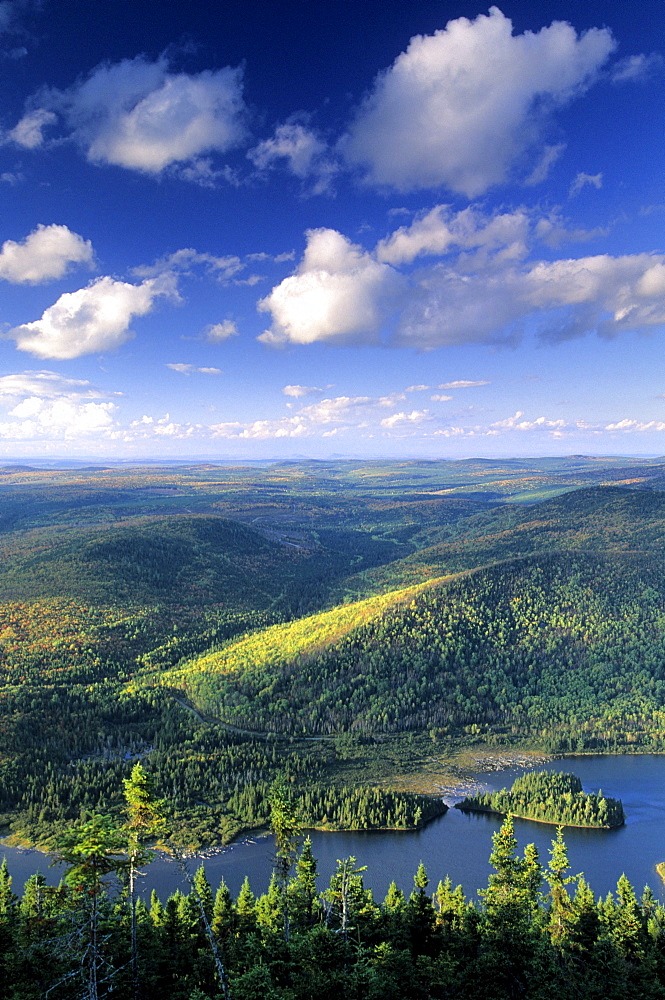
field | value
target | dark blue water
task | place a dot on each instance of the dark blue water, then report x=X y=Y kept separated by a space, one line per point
x=456 y=844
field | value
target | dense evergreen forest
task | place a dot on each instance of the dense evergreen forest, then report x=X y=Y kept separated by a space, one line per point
x=206 y=619
x=536 y=931
x=593 y=519
x=549 y=797
x=568 y=647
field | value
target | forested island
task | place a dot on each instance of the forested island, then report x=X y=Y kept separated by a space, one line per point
x=549 y=797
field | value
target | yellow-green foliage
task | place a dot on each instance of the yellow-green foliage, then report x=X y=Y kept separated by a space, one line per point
x=281 y=643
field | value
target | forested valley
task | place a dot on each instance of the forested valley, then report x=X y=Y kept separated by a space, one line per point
x=346 y=625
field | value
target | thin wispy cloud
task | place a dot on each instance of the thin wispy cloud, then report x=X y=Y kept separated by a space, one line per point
x=183 y=368
x=463 y=383
x=583 y=180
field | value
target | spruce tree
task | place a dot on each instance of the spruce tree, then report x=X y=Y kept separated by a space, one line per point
x=92 y=851
x=303 y=894
x=284 y=826
x=145 y=821
x=560 y=913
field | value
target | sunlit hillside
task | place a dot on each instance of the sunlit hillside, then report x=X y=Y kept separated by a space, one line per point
x=567 y=646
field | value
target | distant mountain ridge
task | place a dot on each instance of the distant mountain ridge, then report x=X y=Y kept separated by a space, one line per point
x=598 y=518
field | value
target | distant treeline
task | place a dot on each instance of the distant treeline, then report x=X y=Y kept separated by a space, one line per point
x=549 y=797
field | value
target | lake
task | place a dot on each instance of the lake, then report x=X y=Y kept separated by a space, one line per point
x=455 y=844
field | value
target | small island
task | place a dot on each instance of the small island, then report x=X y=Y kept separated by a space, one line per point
x=549 y=797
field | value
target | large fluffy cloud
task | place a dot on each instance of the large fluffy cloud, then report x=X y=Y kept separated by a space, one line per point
x=90 y=320
x=458 y=108
x=602 y=293
x=338 y=293
x=45 y=255
x=139 y=115
x=483 y=289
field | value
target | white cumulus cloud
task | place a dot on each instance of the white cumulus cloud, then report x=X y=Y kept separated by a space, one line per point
x=339 y=292
x=459 y=108
x=45 y=255
x=601 y=293
x=484 y=289
x=440 y=230
x=298 y=391
x=629 y=426
x=404 y=419
x=43 y=406
x=218 y=332
x=566 y=298
x=138 y=115
x=163 y=427
x=64 y=415
x=517 y=423
x=90 y=320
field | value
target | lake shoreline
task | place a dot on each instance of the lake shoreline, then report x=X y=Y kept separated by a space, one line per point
x=457 y=844
x=485 y=761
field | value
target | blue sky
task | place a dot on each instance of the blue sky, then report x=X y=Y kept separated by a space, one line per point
x=256 y=230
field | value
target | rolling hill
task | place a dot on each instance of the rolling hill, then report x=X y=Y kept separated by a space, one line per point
x=540 y=621
x=559 y=630
x=597 y=518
